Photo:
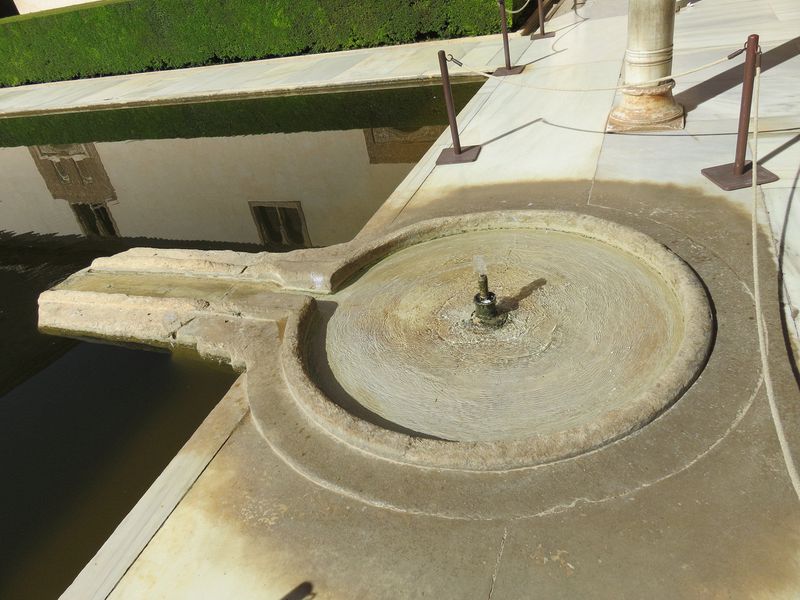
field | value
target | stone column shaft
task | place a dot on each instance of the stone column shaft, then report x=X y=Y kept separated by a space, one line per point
x=651 y=24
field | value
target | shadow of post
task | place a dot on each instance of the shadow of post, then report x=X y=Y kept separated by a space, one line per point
x=785 y=146
x=304 y=591
x=507 y=304
x=730 y=78
x=785 y=325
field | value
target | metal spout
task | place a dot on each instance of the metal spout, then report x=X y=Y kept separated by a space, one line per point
x=486 y=312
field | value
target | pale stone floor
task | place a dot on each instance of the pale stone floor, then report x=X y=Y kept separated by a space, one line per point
x=696 y=504
x=354 y=68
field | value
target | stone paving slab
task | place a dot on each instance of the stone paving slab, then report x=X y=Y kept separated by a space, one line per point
x=725 y=523
x=528 y=133
x=297 y=74
x=531 y=134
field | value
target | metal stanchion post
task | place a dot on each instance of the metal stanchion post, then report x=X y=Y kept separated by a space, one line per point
x=542 y=33
x=737 y=175
x=456 y=154
x=508 y=69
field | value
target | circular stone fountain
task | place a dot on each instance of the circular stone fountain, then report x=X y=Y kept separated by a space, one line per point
x=602 y=329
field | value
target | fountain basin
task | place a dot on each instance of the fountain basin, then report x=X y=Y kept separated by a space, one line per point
x=605 y=330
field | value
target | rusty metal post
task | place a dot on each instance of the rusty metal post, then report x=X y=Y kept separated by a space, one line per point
x=737 y=175
x=448 y=101
x=747 y=101
x=504 y=28
x=508 y=69
x=542 y=33
x=456 y=154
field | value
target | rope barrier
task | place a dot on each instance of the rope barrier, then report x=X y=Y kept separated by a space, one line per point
x=519 y=10
x=511 y=81
x=763 y=342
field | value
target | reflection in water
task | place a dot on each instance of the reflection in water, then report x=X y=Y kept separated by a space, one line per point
x=84 y=429
x=279 y=191
x=281 y=225
x=303 y=171
x=390 y=145
x=75 y=173
x=79 y=445
x=302 y=189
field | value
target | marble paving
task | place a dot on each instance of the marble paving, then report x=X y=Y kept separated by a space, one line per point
x=695 y=505
x=531 y=134
x=297 y=74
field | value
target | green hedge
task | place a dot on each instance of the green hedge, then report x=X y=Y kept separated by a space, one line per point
x=129 y=36
x=402 y=108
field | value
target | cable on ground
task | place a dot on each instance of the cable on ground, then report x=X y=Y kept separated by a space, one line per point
x=763 y=343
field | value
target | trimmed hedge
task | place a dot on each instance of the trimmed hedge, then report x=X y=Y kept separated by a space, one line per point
x=129 y=36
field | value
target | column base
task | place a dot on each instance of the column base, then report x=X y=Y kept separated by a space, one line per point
x=647 y=109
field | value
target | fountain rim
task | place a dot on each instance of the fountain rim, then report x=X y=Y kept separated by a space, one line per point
x=501 y=455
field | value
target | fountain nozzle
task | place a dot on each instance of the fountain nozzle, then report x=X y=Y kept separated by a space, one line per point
x=486 y=312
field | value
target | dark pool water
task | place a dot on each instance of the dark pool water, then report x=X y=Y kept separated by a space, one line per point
x=84 y=428
x=79 y=444
x=275 y=173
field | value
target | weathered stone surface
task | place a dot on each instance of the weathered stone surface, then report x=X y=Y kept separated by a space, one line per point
x=207 y=263
x=591 y=334
x=292 y=505
x=555 y=381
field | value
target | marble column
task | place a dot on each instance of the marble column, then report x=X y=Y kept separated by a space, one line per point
x=648 y=57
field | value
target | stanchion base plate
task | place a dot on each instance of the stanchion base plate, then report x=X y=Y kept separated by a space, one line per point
x=724 y=176
x=449 y=156
x=503 y=72
x=541 y=36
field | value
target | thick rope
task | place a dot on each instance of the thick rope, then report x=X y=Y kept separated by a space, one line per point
x=519 y=10
x=763 y=345
x=512 y=81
